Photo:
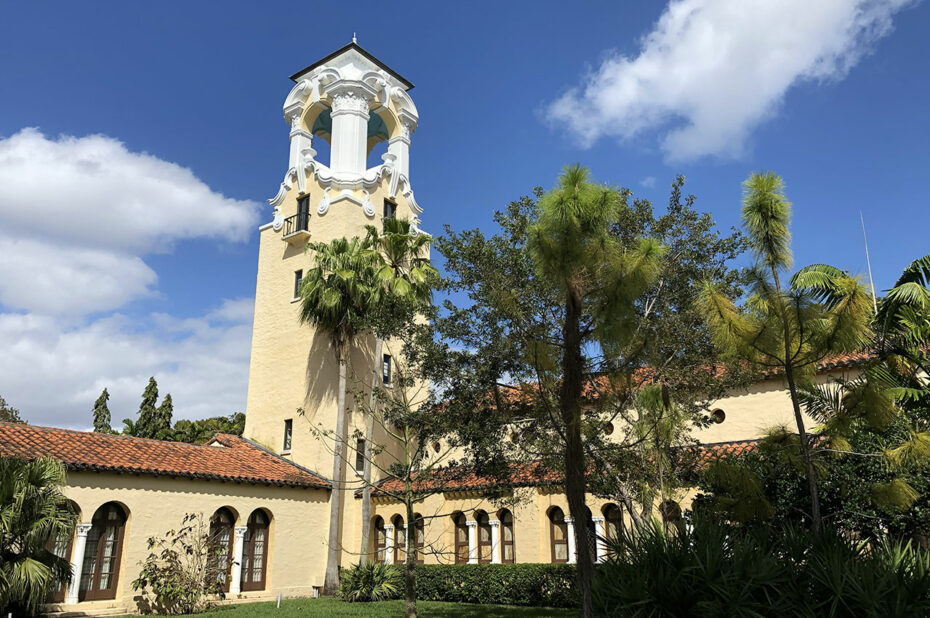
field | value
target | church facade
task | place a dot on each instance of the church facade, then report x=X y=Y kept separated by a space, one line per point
x=267 y=494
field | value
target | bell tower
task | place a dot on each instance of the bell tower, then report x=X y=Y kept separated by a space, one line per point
x=352 y=101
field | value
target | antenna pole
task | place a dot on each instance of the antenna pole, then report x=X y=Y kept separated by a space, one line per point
x=868 y=263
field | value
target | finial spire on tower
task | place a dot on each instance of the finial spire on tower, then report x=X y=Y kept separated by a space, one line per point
x=354 y=40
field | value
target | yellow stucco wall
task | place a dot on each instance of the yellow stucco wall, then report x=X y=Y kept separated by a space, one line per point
x=529 y=507
x=766 y=404
x=296 y=552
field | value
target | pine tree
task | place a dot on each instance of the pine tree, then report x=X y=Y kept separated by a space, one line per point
x=102 y=413
x=162 y=429
x=147 y=424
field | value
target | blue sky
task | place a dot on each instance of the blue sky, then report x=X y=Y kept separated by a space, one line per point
x=106 y=283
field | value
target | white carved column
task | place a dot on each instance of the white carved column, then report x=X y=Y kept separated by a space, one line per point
x=472 y=541
x=301 y=146
x=399 y=146
x=388 y=543
x=570 y=524
x=407 y=541
x=599 y=531
x=235 y=584
x=349 y=145
x=77 y=562
x=495 y=541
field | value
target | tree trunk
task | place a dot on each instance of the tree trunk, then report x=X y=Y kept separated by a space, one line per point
x=410 y=562
x=798 y=418
x=570 y=407
x=335 y=507
x=366 y=474
x=805 y=451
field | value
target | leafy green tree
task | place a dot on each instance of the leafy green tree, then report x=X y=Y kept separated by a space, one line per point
x=102 y=413
x=554 y=313
x=146 y=426
x=34 y=514
x=599 y=279
x=821 y=311
x=8 y=413
x=163 y=418
x=337 y=298
x=407 y=277
x=200 y=431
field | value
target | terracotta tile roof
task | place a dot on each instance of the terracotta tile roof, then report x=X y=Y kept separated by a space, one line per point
x=708 y=453
x=530 y=474
x=533 y=474
x=226 y=458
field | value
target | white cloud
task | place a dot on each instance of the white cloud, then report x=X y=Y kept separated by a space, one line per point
x=80 y=213
x=648 y=182
x=712 y=70
x=78 y=216
x=53 y=371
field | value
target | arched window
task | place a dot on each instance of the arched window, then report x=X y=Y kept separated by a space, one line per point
x=380 y=539
x=558 y=534
x=100 y=573
x=400 y=540
x=484 y=537
x=507 y=556
x=461 y=538
x=221 y=536
x=419 y=536
x=255 y=552
x=613 y=522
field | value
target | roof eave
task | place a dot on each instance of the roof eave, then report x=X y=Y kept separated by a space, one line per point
x=407 y=84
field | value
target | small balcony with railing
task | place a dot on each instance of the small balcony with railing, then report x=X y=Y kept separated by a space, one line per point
x=296 y=228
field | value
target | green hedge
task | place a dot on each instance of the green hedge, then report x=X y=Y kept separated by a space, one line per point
x=537 y=585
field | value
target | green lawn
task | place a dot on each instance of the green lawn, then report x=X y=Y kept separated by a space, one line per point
x=292 y=608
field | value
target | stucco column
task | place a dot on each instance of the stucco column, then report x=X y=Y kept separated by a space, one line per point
x=235 y=584
x=388 y=543
x=399 y=146
x=472 y=541
x=495 y=541
x=301 y=146
x=77 y=562
x=570 y=524
x=601 y=548
x=407 y=540
x=349 y=149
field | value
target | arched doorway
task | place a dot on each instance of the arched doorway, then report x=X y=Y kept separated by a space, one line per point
x=102 y=554
x=461 y=538
x=380 y=537
x=507 y=546
x=558 y=534
x=400 y=540
x=484 y=537
x=255 y=552
x=221 y=536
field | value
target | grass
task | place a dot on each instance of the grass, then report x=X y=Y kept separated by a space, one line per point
x=309 y=608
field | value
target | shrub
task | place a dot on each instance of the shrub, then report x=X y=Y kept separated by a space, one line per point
x=372 y=581
x=537 y=585
x=715 y=570
x=182 y=571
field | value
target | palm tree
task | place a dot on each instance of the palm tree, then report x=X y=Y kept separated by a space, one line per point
x=406 y=277
x=337 y=298
x=34 y=515
x=597 y=279
x=790 y=329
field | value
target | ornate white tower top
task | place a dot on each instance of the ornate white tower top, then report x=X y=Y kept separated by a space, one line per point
x=353 y=101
